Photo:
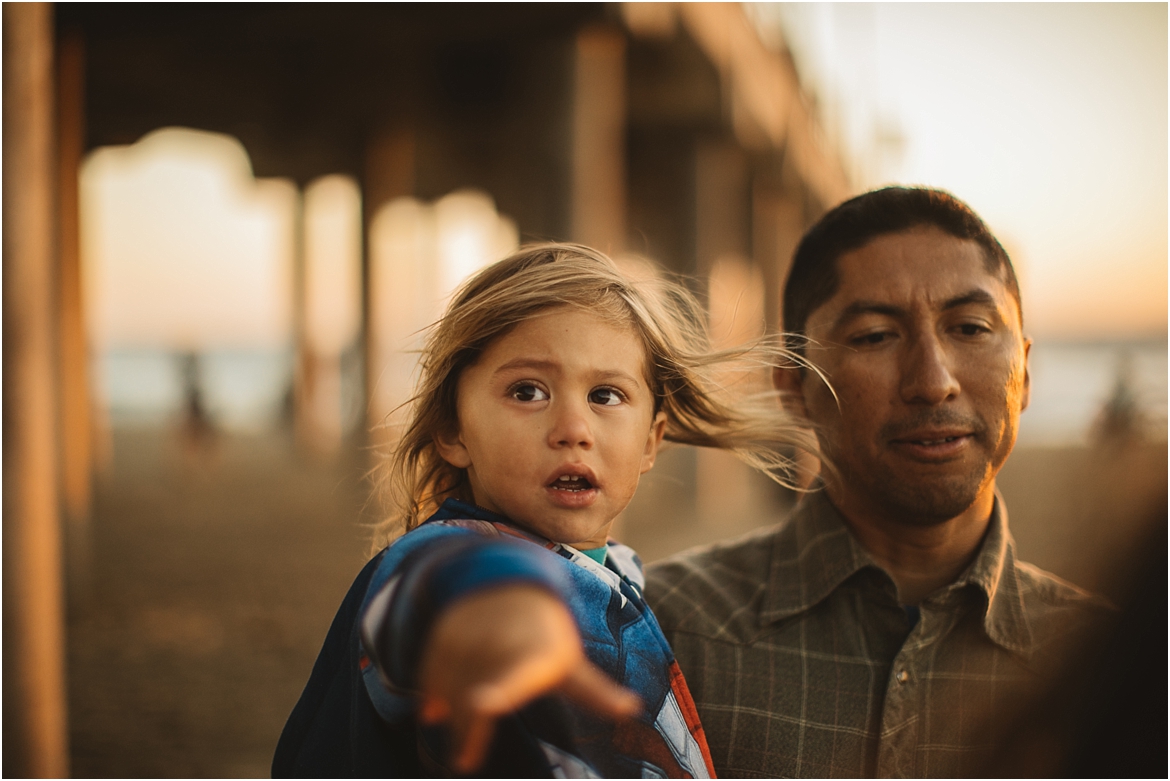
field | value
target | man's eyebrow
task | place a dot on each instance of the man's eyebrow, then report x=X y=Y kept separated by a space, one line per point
x=867 y=307
x=864 y=307
x=976 y=296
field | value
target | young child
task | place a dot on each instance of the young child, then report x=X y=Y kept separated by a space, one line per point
x=493 y=635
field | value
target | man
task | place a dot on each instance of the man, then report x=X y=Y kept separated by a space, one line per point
x=887 y=629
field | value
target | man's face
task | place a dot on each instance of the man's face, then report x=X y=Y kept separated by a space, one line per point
x=923 y=347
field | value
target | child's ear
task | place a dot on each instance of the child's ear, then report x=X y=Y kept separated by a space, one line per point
x=451 y=448
x=657 y=431
x=789 y=380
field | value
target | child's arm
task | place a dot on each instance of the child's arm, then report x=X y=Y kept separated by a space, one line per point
x=477 y=628
x=491 y=653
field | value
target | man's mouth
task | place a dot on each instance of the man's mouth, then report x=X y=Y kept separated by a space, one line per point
x=941 y=441
x=571 y=483
x=934 y=446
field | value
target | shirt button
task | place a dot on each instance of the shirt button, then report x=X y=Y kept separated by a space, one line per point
x=903 y=676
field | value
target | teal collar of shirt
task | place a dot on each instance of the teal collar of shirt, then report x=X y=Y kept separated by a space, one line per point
x=819 y=546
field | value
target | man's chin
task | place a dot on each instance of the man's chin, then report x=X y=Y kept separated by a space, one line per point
x=928 y=505
x=928 y=502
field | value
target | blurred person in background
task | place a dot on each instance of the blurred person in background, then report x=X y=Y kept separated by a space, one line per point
x=887 y=628
x=197 y=430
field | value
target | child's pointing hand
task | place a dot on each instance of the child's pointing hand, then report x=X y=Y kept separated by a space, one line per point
x=493 y=652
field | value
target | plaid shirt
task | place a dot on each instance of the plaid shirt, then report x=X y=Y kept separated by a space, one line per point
x=802 y=662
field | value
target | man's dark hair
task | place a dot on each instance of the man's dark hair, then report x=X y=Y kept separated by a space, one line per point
x=813 y=278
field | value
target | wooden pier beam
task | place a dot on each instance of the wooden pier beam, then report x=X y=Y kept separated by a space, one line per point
x=598 y=178
x=35 y=724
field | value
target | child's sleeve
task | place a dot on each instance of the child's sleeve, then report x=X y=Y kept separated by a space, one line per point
x=434 y=569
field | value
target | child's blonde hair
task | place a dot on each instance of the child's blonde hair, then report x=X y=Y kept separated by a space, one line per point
x=680 y=370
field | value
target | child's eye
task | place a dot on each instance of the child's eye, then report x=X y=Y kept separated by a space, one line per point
x=526 y=391
x=607 y=397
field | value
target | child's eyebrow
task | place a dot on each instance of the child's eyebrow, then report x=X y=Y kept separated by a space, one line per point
x=545 y=365
x=527 y=363
x=616 y=374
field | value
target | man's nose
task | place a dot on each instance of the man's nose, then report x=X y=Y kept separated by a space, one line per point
x=927 y=376
x=571 y=426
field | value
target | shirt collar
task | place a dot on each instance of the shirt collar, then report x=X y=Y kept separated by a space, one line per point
x=456 y=512
x=995 y=574
x=814 y=553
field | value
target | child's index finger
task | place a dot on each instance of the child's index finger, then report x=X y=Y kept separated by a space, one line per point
x=472 y=741
x=589 y=686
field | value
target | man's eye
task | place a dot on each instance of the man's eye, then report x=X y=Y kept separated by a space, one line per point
x=607 y=397
x=972 y=329
x=875 y=338
x=526 y=391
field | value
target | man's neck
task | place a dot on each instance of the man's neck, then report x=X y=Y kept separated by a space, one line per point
x=920 y=559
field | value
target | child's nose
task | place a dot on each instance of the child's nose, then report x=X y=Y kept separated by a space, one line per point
x=571 y=428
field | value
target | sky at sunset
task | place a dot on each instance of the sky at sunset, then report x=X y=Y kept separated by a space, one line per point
x=1048 y=118
x=182 y=248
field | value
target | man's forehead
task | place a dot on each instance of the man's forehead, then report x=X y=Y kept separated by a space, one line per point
x=921 y=266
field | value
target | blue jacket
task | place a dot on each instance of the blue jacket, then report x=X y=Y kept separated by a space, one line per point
x=356 y=716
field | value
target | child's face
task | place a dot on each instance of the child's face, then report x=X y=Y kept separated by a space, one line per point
x=556 y=425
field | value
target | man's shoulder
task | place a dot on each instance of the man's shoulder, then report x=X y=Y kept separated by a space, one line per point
x=713 y=590
x=1044 y=588
x=1055 y=607
x=1051 y=589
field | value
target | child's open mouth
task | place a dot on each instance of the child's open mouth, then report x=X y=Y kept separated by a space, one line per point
x=573 y=487
x=571 y=483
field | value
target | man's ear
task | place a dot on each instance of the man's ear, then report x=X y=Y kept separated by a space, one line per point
x=653 y=441
x=1026 y=394
x=789 y=380
x=452 y=450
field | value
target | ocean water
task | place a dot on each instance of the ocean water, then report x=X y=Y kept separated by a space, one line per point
x=240 y=390
x=1073 y=381
x=248 y=389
